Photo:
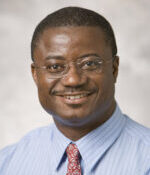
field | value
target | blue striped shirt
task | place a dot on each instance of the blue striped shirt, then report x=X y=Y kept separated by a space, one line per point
x=118 y=147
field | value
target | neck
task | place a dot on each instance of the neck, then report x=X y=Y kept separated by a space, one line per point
x=75 y=133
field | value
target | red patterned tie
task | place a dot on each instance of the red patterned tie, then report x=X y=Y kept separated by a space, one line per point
x=73 y=160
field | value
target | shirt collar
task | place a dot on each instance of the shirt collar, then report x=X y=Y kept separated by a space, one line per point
x=98 y=141
x=59 y=145
x=93 y=145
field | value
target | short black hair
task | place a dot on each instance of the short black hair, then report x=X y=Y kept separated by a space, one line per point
x=74 y=16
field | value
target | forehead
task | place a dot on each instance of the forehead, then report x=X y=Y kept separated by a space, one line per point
x=70 y=41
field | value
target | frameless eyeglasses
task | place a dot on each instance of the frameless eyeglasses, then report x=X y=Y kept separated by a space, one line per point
x=57 y=68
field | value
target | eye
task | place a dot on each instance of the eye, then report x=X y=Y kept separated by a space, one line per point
x=90 y=64
x=55 y=68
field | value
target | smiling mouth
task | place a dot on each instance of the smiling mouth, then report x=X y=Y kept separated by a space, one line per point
x=72 y=97
x=75 y=98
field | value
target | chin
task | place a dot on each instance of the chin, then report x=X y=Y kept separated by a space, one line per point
x=72 y=118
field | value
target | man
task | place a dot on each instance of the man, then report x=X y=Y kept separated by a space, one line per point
x=75 y=67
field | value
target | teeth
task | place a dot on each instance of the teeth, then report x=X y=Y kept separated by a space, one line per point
x=72 y=97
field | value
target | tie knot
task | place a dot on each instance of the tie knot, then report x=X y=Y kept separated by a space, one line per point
x=72 y=152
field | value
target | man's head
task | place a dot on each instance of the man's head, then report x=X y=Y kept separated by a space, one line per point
x=75 y=66
x=75 y=16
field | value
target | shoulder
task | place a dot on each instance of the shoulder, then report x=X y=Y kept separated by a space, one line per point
x=137 y=131
x=138 y=140
x=29 y=141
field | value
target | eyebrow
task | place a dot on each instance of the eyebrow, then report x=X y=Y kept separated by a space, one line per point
x=55 y=57
x=88 y=55
x=62 y=58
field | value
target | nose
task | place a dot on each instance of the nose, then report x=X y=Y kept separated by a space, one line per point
x=74 y=78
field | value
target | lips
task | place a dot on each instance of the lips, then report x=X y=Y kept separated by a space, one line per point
x=75 y=97
x=72 y=97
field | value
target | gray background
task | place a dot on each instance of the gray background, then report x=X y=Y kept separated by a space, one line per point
x=20 y=110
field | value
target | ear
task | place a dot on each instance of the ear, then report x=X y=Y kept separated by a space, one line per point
x=34 y=73
x=115 y=68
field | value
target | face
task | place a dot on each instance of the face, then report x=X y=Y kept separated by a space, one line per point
x=77 y=98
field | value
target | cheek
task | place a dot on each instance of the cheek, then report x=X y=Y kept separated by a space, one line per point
x=45 y=84
x=45 y=87
x=106 y=88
